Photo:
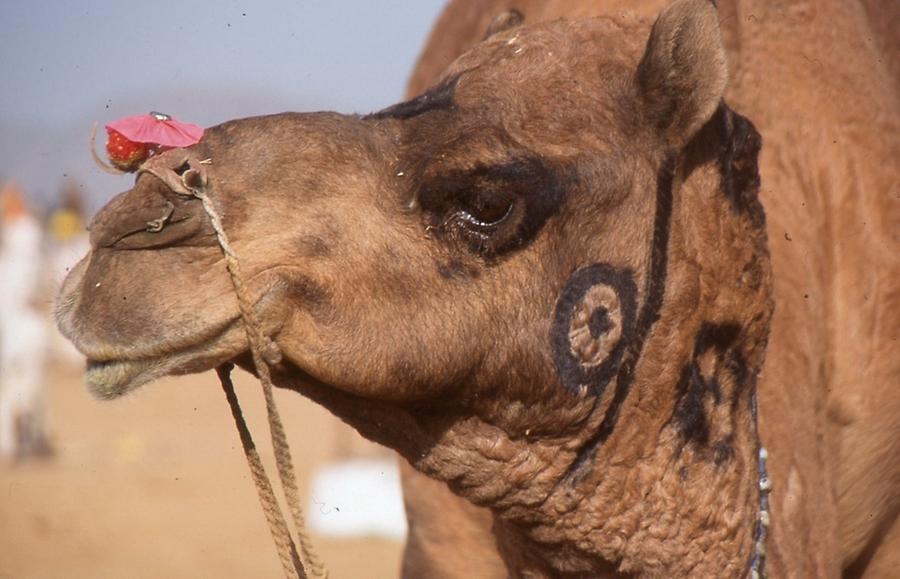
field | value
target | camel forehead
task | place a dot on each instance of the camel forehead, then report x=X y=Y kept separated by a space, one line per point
x=555 y=62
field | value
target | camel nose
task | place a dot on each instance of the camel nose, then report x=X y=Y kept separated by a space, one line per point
x=150 y=216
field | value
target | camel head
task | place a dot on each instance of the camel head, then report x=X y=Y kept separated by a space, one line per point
x=534 y=274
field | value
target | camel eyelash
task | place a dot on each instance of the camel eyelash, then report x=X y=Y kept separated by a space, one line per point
x=492 y=209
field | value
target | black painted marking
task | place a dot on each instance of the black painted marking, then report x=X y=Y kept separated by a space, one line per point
x=649 y=314
x=739 y=163
x=571 y=370
x=689 y=416
x=728 y=379
x=437 y=98
x=723 y=450
x=600 y=322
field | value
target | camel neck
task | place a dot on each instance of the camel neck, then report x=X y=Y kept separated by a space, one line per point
x=653 y=503
x=675 y=512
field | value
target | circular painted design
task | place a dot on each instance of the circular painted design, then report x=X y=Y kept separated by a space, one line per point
x=593 y=321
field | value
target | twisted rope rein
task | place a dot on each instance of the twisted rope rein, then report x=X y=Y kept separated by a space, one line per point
x=263 y=351
x=287 y=552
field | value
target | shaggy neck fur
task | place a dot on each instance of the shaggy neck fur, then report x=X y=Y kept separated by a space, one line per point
x=657 y=499
x=650 y=505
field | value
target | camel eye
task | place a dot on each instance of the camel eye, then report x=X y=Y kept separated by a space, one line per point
x=482 y=214
x=491 y=209
x=487 y=216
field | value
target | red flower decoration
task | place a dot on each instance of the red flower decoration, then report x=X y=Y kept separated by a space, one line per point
x=133 y=139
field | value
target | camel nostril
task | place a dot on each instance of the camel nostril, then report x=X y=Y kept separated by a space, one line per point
x=192 y=179
x=181 y=169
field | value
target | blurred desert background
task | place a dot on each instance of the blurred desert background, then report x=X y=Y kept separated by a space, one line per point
x=155 y=484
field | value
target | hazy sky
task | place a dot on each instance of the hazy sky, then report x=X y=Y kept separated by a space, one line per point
x=67 y=64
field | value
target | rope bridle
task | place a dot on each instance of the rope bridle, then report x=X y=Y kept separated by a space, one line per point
x=296 y=564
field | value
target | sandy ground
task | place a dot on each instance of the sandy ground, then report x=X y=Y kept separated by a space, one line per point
x=155 y=485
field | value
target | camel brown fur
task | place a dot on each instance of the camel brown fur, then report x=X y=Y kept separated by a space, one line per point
x=821 y=81
x=545 y=282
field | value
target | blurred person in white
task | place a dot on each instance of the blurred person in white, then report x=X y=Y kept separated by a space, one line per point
x=23 y=334
x=67 y=243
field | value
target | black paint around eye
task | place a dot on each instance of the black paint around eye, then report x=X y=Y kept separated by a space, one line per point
x=496 y=208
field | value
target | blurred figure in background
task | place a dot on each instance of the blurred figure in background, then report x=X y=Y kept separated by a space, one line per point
x=68 y=241
x=23 y=426
x=67 y=244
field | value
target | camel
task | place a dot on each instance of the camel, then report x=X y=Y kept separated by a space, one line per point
x=548 y=282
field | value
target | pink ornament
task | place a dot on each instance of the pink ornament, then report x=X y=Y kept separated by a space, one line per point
x=157 y=129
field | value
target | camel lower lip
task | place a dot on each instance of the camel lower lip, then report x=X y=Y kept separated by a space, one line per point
x=110 y=379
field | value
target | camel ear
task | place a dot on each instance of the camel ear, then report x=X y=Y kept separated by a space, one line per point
x=682 y=76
